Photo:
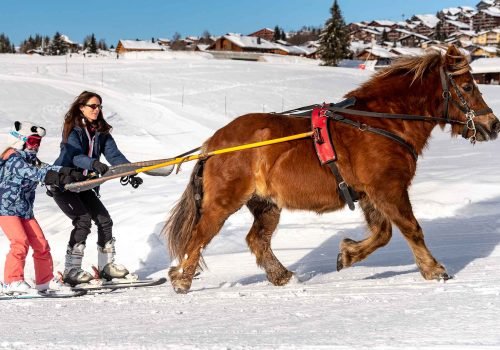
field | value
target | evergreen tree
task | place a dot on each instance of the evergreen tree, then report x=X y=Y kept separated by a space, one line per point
x=277 y=34
x=5 y=46
x=57 y=46
x=385 y=36
x=92 y=44
x=283 y=35
x=334 y=39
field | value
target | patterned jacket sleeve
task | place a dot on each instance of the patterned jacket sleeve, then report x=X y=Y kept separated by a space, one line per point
x=20 y=168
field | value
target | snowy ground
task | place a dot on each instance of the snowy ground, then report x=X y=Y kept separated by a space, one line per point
x=163 y=106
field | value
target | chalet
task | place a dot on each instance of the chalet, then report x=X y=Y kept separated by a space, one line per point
x=242 y=43
x=450 y=26
x=465 y=37
x=483 y=52
x=163 y=42
x=426 y=24
x=383 y=56
x=486 y=70
x=366 y=35
x=413 y=40
x=265 y=33
x=484 y=4
x=382 y=24
x=488 y=37
x=70 y=45
x=486 y=19
x=124 y=46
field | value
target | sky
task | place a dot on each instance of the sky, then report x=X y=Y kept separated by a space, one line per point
x=133 y=19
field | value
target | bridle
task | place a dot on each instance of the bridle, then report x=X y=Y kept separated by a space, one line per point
x=462 y=105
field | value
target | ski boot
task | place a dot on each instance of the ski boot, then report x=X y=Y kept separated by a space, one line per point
x=107 y=268
x=73 y=272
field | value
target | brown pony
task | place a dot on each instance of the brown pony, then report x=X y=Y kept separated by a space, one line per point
x=289 y=175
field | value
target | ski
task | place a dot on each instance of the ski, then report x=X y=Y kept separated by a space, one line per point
x=44 y=295
x=118 y=284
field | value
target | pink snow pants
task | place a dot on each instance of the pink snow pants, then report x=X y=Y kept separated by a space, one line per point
x=22 y=234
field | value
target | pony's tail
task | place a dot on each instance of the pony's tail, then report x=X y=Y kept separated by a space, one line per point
x=185 y=215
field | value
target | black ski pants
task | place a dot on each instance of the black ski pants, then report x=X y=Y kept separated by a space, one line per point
x=83 y=208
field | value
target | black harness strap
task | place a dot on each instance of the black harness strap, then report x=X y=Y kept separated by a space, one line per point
x=346 y=192
x=382 y=132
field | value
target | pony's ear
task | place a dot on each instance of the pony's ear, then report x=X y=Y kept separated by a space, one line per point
x=453 y=51
x=17 y=125
x=454 y=59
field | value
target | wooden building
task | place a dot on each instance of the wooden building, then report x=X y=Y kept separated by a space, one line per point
x=242 y=43
x=264 y=33
x=124 y=46
x=486 y=19
x=486 y=70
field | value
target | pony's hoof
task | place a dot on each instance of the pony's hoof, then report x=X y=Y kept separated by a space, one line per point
x=444 y=277
x=281 y=279
x=340 y=264
x=181 y=286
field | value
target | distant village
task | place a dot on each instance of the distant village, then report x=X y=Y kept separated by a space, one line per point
x=375 y=43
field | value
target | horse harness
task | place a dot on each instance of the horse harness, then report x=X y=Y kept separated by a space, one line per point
x=320 y=114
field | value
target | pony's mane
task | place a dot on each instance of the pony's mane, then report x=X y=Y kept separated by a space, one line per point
x=416 y=65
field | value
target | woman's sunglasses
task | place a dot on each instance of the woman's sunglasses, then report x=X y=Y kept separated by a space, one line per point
x=94 y=106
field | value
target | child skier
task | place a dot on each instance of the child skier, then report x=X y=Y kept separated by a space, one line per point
x=20 y=172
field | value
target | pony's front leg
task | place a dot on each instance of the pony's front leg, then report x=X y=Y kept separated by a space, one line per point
x=181 y=276
x=397 y=208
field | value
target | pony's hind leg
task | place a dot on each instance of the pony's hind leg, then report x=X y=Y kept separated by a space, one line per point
x=223 y=195
x=266 y=218
x=381 y=232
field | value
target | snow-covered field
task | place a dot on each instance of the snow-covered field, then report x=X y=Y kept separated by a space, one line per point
x=163 y=106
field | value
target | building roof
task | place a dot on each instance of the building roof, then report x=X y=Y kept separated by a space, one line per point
x=140 y=45
x=492 y=11
x=430 y=21
x=459 y=24
x=486 y=65
x=252 y=42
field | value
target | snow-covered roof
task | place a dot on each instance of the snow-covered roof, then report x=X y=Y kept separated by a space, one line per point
x=420 y=36
x=486 y=65
x=492 y=11
x=140 y=45
x=490 y=49
x=66 y=39
x=408 y=51
x=384 y=23
x=430 y=21
x=467 y=9
x=452 y=11
x=380 y=52
x=250 y=42
x=459 y=24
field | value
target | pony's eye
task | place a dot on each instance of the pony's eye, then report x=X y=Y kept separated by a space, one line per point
x=467 y=87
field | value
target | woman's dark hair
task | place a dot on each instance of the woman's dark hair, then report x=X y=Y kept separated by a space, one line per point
x=74 y=116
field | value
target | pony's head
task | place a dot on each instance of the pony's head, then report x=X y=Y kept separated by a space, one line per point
x=463 y=103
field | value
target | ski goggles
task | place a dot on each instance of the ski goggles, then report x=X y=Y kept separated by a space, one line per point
x=33 y=141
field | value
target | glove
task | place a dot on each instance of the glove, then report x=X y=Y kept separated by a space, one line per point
x=134 y=180
x=58 y=179
x=77 y=175
x=99 y=167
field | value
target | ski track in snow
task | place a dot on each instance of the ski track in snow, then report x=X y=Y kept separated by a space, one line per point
x=381 y=303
